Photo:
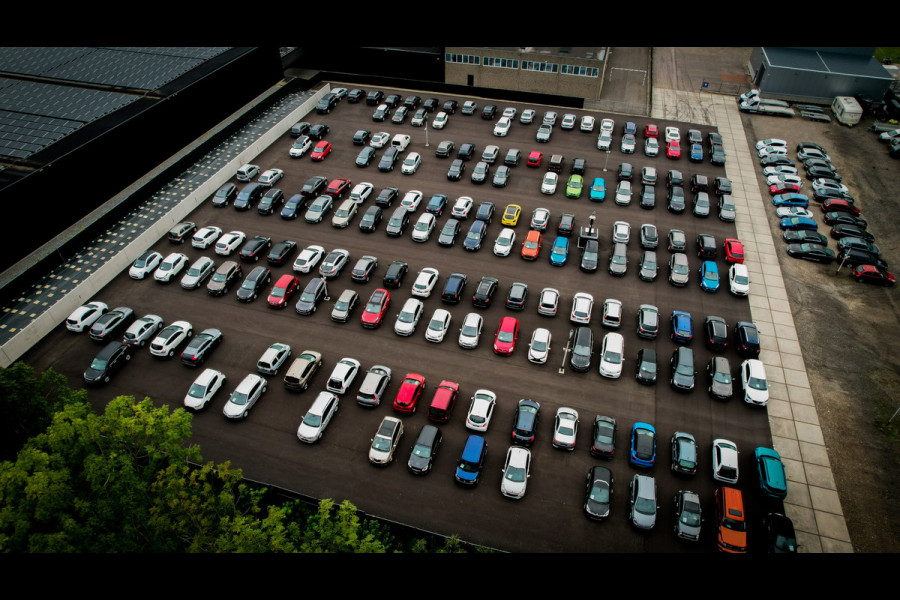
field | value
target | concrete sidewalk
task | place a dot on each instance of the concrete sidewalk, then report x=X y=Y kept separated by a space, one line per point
x=812 y=502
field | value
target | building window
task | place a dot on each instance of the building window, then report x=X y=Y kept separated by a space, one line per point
x=503 y=63
x=465 y=59
x=543 y=67
x=580 y=70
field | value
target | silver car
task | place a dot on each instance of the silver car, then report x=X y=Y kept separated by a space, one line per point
x=142 y=330
x=516 y=471
x=470 y=332
x=197 y=273
x=245 y=395
x=679 y=272
x=643 y=502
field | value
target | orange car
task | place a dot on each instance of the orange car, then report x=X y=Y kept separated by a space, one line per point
x=531 y=247
x=731 y=521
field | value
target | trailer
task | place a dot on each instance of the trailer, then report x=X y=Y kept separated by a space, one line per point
x=846 y=110
x=766 y=109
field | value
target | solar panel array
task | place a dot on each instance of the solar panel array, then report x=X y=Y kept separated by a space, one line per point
x=35 y=114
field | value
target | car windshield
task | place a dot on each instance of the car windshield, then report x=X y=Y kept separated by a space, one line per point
x=515 y=474
x=722 y=377
x=757 y=384
x=278 y=292
x=503 y=241
x=612 y=357
x=539 y=345
x=219 y=277
x=690 y=514
x=405 y=317
x=307 y=296
x=741 y=279
x=734 y=525
x=600 y=492
x=312 y=420
x=421 y=451
x=469 y=330
x=238 y=398
x=381 y=444
x=531 y=245
x=98 y=364
x=197 y=391
x=645 y=506
x=618 y=259
x=712 y=275
x=436 y=324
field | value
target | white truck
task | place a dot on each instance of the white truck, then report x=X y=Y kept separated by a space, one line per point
x=846 y=110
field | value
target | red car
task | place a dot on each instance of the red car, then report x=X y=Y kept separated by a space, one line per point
x=443 y=401
x=376 y=308
x=872 y=274
x=535 y=158
x=651 y=131
x=838 y=205
x=282 y=291
x=337 y=187
x=321 y=150
x=410 y=391
x=784 y=188
x=673 y=149
x=734 y=251
x=507 y=333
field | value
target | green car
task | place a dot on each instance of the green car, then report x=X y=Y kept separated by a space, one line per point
x=772 y=480
x=573 y=187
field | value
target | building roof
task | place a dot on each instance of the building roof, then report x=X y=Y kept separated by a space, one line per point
x=826 y=60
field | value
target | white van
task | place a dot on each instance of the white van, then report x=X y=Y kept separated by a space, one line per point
x=846 y=110
x=400 y=141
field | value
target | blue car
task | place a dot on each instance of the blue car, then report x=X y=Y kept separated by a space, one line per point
x=560 y=251
x=630 y=127
x=471 y=461
x=473 y=239
x=804 y=223
x=293 y=207
x=709 y=276
x=792 y=199
x=643 y=445
x=772 y=480
x=437 y=204
x=696 y=153
x=598 y=189
x=682 y=330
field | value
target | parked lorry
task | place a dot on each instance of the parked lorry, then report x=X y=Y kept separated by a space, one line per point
x=846 y=110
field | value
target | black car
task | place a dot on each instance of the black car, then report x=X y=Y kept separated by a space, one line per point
x=361 y=137
x=388 y=159
x=513 y=156
x=318 y=131
x=625 y=172
x=253 y=283
x=682 y=369
x=110 y=359
x=706 y=246
x=839 y=218
x=112 y=324
x=365 y=156
x=821 y=195
x=450 y=106
x=717 y=155
x=254 y=248
x=436 y=204
x=281 y=252
x=716 y=334
x=374 y=98
x=852 y=258
x=293 y=206
x=485 y=211
x=249 y=195
x=225 y=195
x=590 y=256
x=566 y=224
x=489 y=112
x=449 y=232
x=298 y=129
x=803 y=236
x=355 y=95
x=484 y=292
x=386 y=197
x=475 y=236
x=314 y=187
x=466 y=151
x=598 y=493
x=326 y=103
x=370 y=219
x=395 y=273
x=398 y=222
x=823 y=173
x=457 y=168
x=453 y=288
x=312 y=296
x=270 y=202
x=200 y=347
x=582 y=348
x=501 y=176
x=812 y=252
x=676 y=202
x=515 y=297
x=720 y=383
x=424 y=450
x=648 y=197
x=431 y=104
x=780 y=536
x=525 y=422
x=842 y=230
x=746 y=338
x=647 y=369
x=603 y=435
x=412 y=102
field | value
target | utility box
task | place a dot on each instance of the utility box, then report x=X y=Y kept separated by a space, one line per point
x=846 y=110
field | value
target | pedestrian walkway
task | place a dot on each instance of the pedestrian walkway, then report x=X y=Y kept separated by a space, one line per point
x=812 y=502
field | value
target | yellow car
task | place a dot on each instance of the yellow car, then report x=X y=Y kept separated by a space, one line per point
x=511 y=215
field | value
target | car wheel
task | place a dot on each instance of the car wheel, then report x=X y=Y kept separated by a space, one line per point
x=127 y=357
x=171 y=353
x=106 y=379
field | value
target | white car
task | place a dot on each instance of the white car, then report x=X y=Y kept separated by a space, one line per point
x=229 y=242
x=438 y=326
x=725 y=461
x=510 y=112
x=502 y=126
x=204 y=238
x=770 y=142
x=784 y=178
x=621 y=232
x=623 y=193
x=540 y=217
x=565 y=428
x=411 y=163
x=548 y=302
x=204 y=388
x=171 y=266
x=604 y=141
x=440 y=120
x=607 y=125
x=142 y=330
x=425 y=282
x=462 y=207
x=651 y=147
x=793 y=211
x=470 y=332
x=825 y=184
x=612 y=313
x=611 y=355
x=372 y=388
x=361 y=192
x=627 y=144
x=202 y=268
x=308 y=258
x=317 y=418
x=780 y=169
x=587 y=123
x=505 y=241
x=247 y=172
x=754 y=383
x=342 y=375
x=673 y=134
x=549 y=183
x=84 y=316
x=516 y=471
x=244 y=396
x=380 y=139
x=167 y=340
x=739 y=279
x=270 y=177
x=527 y=116
x=145 y=264
x=385 y=442
x=423 y=227
x=771 y=151
x=272 y=358
x=480 y=410
x=539 y=347
x=582 y=305
x=300 y=146
x=411 y=200
x=409 y=317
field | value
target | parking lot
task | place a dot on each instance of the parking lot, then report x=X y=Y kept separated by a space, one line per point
x=550 y=517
